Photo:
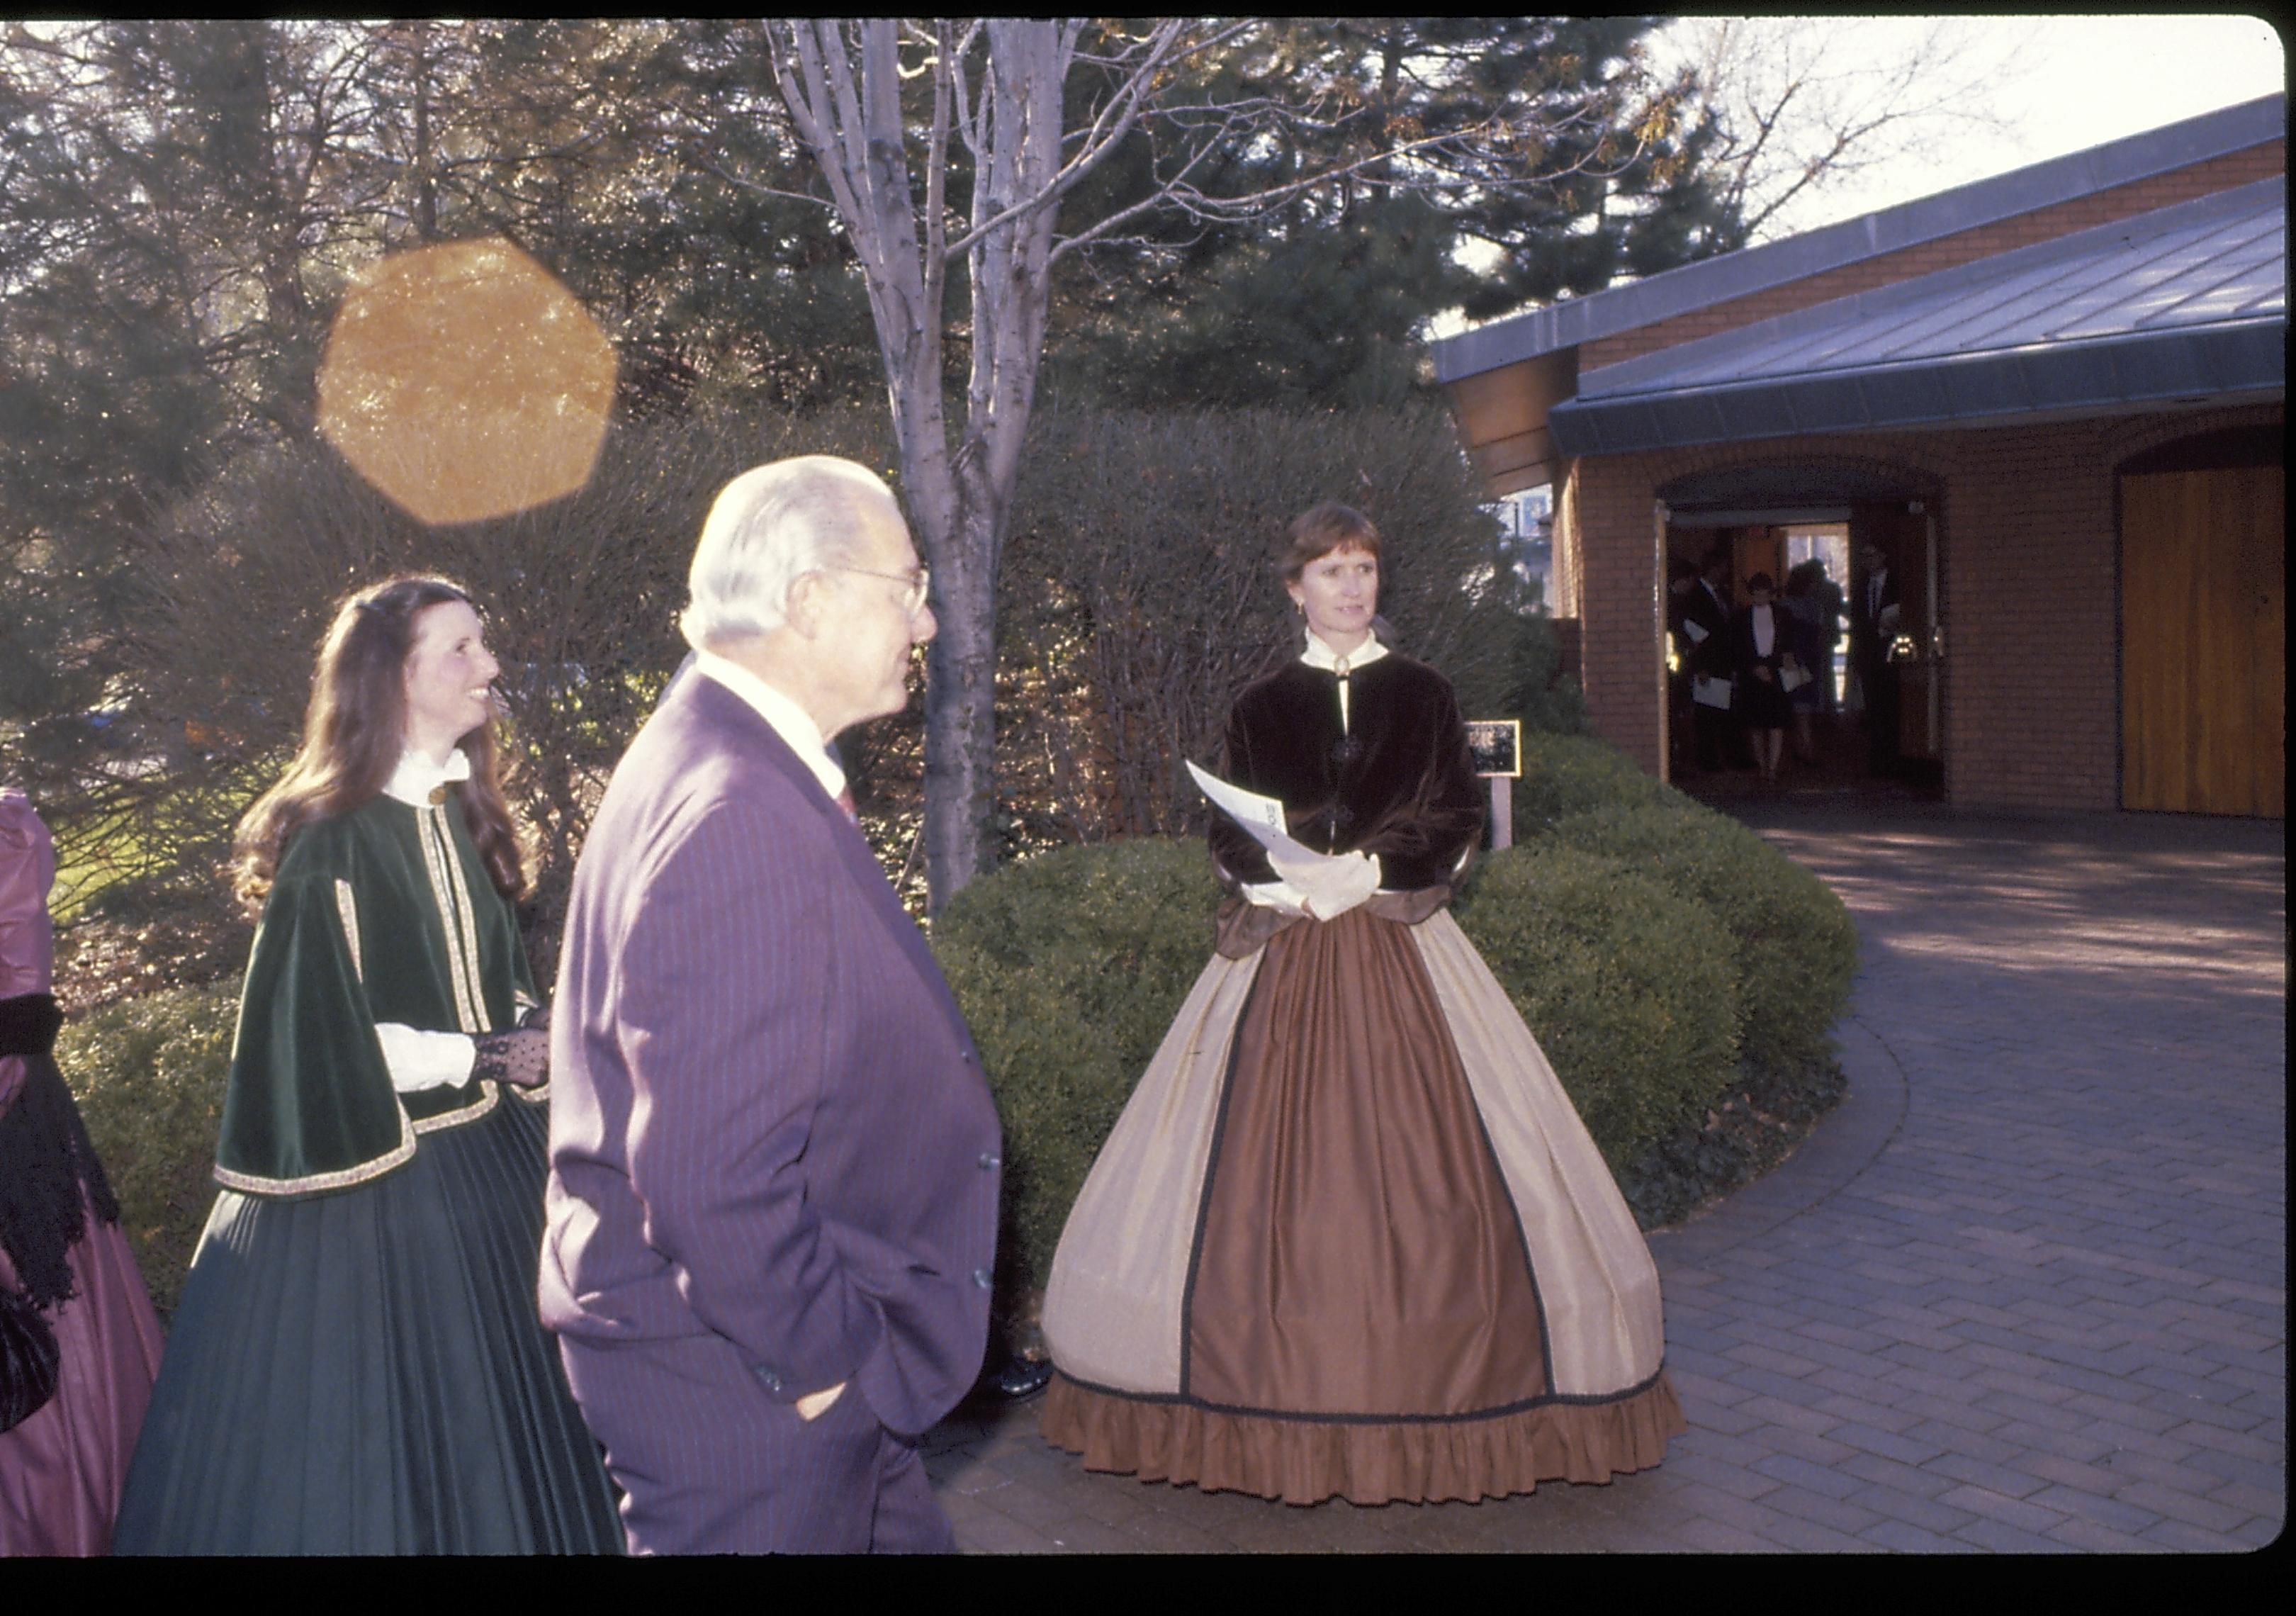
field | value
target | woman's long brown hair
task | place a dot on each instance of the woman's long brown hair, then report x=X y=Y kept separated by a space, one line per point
x=354 y=732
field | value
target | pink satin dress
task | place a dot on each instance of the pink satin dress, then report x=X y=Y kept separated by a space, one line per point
x=61 y=1468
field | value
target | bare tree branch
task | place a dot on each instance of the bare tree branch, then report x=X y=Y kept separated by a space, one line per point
x=1805 y=103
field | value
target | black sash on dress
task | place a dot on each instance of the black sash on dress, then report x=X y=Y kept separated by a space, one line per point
x=49 y=1176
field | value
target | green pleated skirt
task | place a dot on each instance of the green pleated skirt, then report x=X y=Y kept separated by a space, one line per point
x=364 y=1372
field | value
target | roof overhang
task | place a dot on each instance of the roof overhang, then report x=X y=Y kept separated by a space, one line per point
x=1515 y=385
x=2242 y=363
x=1502 y=416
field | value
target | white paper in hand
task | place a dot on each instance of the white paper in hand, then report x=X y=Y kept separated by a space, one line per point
x=1262 y=816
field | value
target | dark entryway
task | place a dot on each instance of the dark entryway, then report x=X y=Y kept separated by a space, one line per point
x=1881 y=725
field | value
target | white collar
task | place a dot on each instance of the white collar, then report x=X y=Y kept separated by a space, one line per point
x=1320 y=655
x=790 y=722
x=417 y=777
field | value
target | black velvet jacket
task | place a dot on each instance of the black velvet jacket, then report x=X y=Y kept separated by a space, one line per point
x=1399 y=784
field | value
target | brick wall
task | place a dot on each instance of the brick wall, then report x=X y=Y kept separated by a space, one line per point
x=1620 y=648
x=2028 y=562
x=2103 y=207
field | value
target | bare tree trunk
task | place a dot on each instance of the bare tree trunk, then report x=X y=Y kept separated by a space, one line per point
x=1016 y=145
x=958 y=497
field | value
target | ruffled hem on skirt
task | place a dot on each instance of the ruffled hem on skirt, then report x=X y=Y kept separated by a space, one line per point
x=1416 y=1461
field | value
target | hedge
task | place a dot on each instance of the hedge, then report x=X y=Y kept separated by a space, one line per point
x=1791 y=946
x=149 y=1075
x=1070 y=968
x=1628 y=990
x=1565 y=774
x=1682 y=976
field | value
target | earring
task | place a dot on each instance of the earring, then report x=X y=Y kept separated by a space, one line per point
x=1300 y=607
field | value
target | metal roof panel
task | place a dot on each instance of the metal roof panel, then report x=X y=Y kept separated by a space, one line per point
x=2217 y=258
x=1736 y=274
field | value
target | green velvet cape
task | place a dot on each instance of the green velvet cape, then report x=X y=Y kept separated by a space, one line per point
x=383 y=915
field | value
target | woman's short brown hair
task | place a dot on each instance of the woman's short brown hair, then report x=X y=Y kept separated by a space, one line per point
x=1316 y=534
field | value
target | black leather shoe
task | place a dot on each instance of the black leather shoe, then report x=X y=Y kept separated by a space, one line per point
x=1020 y=1379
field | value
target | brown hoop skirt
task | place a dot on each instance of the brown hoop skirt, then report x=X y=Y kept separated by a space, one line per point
x=1347 y=1238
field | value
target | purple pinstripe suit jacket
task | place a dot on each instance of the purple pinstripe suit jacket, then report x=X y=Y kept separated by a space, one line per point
x=767 y=1121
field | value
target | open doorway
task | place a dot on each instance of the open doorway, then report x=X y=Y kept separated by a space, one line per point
x=1852 y=561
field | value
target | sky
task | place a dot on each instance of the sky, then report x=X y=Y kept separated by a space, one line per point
x=2064 y=83
x=2054 y=84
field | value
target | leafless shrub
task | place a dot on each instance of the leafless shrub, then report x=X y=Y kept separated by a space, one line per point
x=1140 y=593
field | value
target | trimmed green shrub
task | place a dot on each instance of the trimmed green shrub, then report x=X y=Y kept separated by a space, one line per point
x=149 y=1075
x=1567 y=774
x=1628 y=990
x=1069 y=967
x=1791 y=945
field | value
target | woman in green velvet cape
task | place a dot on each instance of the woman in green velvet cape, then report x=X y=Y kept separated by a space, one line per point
x=356 y=1365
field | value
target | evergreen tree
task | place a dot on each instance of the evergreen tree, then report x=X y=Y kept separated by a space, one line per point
x=1326 y=301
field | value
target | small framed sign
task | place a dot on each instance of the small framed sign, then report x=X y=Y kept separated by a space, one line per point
x=1496 y=746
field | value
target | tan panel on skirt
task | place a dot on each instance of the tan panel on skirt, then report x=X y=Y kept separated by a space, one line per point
x=1112 y=1312
x=1605 y=1323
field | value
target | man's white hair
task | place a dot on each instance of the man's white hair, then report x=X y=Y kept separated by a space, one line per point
x=770 y=526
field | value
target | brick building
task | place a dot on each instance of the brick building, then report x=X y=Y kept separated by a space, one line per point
x=2053 y=400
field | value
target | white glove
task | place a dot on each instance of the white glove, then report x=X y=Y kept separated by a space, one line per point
x=1330 y=887
x=1281 y=896
x=418 y=1059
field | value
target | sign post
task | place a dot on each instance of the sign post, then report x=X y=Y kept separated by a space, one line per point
x=1496 y=746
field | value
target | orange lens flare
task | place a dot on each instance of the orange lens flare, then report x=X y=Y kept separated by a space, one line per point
x=464 y=382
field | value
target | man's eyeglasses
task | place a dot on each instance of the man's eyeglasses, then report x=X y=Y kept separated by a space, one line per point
x=919 y=584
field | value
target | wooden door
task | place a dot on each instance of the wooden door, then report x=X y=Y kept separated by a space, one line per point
x=1756 y=550
x=2203 y=613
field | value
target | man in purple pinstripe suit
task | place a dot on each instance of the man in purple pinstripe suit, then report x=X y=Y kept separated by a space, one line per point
x=771 y=1213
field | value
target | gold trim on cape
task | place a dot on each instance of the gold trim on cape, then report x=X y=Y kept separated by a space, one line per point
x=347 y=906
x=454 y=901
x=472 y=1112
x=342 y=1178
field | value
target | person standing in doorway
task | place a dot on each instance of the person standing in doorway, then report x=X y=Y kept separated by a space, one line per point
x=1764 y=652
x=1705 y=625
x=1805 y=607
x=1873 y=628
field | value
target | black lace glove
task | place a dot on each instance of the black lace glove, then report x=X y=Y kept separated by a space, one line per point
x=520 y=1057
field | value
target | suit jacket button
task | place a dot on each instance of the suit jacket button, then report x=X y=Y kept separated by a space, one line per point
x=989 y=1161
x=980 y=1276
x=969 y=1058
x=772 y=1382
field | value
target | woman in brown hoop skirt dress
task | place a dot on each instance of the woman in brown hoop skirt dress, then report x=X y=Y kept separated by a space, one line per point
x=1349 y=1236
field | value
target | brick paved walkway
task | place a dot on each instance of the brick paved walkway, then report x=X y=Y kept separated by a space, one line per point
x=2024 y=1289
